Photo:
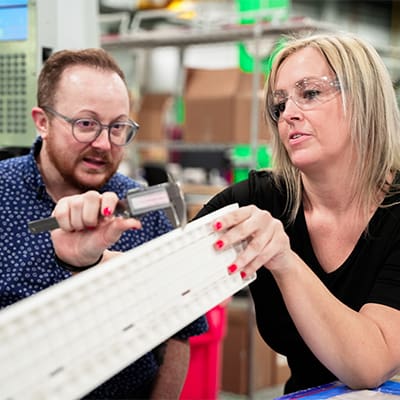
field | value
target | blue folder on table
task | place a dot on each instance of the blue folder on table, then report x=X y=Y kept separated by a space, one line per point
x=336 y=388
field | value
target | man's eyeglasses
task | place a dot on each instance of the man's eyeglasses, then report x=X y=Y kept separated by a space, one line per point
x=87 y=130
x=308 y=93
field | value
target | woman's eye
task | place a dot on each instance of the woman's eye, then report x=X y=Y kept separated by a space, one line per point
x=311 y=94
x=277 y=109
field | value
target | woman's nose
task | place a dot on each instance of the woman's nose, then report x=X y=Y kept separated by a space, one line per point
x=292 y=110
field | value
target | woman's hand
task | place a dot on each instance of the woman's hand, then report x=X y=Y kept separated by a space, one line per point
x=88 y=227
x=267 y=242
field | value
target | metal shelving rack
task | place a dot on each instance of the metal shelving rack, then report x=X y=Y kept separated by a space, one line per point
x=190 y=37
x=185 y=34
x=134 y=38
x=183 y=37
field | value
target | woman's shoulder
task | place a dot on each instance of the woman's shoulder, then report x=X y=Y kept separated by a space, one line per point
x=259 y=189
x=262 y=178
x=260 y=186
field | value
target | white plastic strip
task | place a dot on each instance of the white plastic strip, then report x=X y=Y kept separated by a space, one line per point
x=68 y=339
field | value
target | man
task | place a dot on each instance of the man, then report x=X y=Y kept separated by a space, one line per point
x=83 y=125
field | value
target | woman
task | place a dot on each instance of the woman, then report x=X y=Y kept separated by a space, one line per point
x=325 y=221
x=323 y=227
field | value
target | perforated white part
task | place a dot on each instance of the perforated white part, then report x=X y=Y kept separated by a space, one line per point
x=68 y=339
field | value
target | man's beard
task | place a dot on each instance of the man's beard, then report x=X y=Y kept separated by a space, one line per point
x=66 y=169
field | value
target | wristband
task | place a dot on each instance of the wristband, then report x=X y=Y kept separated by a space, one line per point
x=72 y=268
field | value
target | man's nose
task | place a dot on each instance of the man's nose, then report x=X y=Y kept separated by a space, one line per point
x=103 y=139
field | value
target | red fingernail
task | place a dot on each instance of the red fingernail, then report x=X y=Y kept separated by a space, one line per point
x=107 y=212
x=90 y=228
x=243 y=274
x=232 y=268
x=219 y=244
x=218 y=225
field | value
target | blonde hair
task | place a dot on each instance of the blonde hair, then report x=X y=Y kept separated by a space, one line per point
x=368 y=98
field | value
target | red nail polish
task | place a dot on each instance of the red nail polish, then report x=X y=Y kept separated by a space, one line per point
x=107 y=212
x=232 y=268
x=219 y=244
x=243 y=274
x=90 y=228
x=218 y=225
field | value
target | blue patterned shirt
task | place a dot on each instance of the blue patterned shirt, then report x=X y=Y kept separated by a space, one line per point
x=27 y=263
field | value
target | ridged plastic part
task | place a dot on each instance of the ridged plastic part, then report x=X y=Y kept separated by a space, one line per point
x=68 y=339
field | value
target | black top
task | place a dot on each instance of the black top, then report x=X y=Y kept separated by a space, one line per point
x=371 y=274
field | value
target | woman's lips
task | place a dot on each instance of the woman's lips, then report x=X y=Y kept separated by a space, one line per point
x=297 y=135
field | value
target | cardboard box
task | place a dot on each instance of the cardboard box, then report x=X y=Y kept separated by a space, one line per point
x=281 y=372
x=249 y=364
x=209 y=105
x=243 y=110
x=152 y=117
x=218 y=109
x=218 y=106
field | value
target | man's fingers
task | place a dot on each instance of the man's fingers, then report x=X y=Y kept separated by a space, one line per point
x=108 y=204
x=75 y=213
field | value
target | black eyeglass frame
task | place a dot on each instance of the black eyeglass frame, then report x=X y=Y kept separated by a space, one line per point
x=72 y=121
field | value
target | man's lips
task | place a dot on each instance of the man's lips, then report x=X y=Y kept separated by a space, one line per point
x=95 y=161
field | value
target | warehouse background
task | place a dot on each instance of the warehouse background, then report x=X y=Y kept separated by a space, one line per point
x=196 y=71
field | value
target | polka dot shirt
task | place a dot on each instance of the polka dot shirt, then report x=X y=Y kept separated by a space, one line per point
x=27 y=263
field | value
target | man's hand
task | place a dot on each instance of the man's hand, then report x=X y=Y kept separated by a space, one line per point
x=88 y=227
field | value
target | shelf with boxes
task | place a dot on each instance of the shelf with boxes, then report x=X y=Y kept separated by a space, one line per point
x=223 y=110
x=249 y=365
x=218 y=111
x=222 y=107
x=216 y=34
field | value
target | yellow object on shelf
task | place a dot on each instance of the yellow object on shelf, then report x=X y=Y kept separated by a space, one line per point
x=151 y=4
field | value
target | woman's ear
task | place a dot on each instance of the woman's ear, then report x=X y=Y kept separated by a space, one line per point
x=40 y=120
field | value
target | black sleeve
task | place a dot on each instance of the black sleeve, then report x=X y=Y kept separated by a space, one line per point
x=387 y=285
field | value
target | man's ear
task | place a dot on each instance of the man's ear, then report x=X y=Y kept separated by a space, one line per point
x=40 y=120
